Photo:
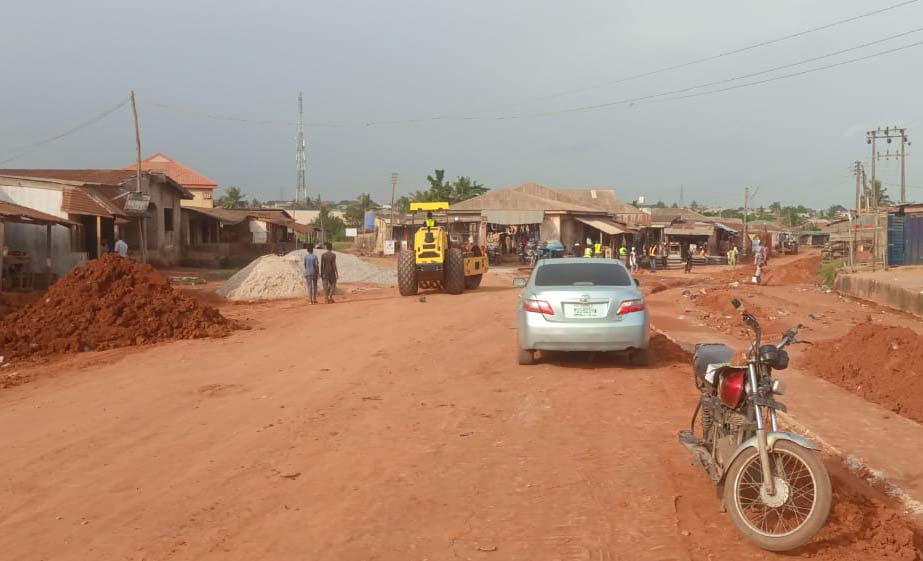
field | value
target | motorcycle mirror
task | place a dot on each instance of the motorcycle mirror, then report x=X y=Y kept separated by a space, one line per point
x=637 y=282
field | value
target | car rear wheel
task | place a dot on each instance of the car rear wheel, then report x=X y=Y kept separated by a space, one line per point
x=525 y=357
x=640 y=357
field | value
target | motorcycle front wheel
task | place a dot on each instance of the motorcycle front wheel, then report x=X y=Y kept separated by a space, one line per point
x=795 y=512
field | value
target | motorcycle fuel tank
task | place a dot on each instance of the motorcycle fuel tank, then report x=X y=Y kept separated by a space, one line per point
x=731 y=388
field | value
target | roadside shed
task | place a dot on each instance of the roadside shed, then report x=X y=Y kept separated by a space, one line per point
x=14 y=272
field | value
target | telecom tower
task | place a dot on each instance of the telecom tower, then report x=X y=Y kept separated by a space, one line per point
x=301 y=190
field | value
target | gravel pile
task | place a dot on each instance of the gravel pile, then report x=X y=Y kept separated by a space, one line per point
x=272 y=277
x=351 y=268
x=266 y=278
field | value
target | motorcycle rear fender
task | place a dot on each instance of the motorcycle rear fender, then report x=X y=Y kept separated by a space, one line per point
x=771 y=439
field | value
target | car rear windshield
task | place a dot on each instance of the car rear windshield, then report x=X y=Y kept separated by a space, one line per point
x=582 y=274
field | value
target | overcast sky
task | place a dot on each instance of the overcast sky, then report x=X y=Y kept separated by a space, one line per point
x=357 y=62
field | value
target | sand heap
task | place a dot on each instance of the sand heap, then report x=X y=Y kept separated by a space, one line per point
x=272 y=277
x=352 y=269
x=107 y=303
x=266 y=278
x=883 y=364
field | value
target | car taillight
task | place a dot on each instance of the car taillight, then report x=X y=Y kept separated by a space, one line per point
x=537 y=306
x=628 y=306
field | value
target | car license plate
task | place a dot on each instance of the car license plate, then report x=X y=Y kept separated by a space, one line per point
x=585 y=310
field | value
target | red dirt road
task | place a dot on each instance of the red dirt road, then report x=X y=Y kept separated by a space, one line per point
x=379 y=428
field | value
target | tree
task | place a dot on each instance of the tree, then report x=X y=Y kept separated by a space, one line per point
x=333 y=226
x=834 y=211
x=789 y=216
x=440 y=190
x=775 y=208
x=233 y=197
x=694 y=205
x=674 y=205
x=877 y=195
x=255 y=203
x=355 y=210
x=402 y=204
x=660 y=204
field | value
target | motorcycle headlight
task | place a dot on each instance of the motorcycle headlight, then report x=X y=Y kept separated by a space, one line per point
x=778 y=387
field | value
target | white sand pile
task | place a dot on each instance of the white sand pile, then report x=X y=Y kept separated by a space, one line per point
x=351 y=268
x=272 y=277
x=266 y=278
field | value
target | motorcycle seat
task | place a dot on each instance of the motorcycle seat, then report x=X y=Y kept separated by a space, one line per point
x=707 y=357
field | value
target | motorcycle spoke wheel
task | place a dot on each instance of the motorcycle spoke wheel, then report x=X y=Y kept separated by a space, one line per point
x=797 y=509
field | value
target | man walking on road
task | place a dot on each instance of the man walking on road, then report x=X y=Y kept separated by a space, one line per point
x=311 y=267
x=329 y=273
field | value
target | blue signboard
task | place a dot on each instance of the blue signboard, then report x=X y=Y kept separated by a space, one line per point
x=370 y=220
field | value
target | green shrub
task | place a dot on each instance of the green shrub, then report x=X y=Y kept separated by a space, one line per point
x=828 y=271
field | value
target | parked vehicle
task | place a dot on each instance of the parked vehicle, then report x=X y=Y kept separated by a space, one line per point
x=494 y=257
x=574 y=304
x=776 y=489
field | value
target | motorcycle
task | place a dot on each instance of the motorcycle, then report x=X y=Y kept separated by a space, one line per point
x=775 y=487
x=494 y=257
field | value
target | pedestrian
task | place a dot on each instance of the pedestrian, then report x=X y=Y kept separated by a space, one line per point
x=732 y=256
x=121 y=247
x=328 y=273
x=652 y=254
x=633 y=260
x=311 y=268
x=765 y=250
x=623 y=253
x=578 y=249
x=588 y=251
x=689 y=262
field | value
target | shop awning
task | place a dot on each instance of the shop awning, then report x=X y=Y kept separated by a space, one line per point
x=725 y=228
x=510 y=217
x=699 y=231
x=604 y=225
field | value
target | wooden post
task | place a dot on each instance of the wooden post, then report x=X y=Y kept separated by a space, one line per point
x=99 y=237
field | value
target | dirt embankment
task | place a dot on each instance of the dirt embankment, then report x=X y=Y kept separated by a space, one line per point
x=799 y=271
x=107 y=303
x=883 y=364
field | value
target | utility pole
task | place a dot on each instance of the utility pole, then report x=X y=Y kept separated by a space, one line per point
x=393 y=190
x=682 y=203
x=857 y=171
x=746 y=240
x=888 y=134
x=301 y=189
x=134 y=112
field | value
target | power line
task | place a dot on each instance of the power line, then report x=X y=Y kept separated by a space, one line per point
x=715 y=57
x=25 y=150
x=669 y=95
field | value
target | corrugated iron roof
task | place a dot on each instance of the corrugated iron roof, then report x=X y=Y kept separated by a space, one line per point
x=103 y=178
x=528 y=196
x=89 y=201
x=18 y=213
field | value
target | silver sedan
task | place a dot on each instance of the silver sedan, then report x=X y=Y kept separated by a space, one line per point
x=581 y=304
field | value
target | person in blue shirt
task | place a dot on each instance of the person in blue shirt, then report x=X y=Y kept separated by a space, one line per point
x=310 y=272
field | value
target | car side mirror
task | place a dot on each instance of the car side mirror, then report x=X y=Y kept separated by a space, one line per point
x=519 y=282
x=637 y=282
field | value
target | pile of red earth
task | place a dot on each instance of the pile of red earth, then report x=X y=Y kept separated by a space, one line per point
x=883 y=364
x=107 y=303
x=800 y=271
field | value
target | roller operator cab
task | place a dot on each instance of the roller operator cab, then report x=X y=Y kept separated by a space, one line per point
x=434 y=261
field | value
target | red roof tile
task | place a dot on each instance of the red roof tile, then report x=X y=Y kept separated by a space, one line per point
x=183 y=175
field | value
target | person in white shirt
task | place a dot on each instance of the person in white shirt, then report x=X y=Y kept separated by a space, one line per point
x=121 y=247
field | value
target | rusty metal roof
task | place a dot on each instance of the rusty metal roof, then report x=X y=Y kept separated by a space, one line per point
x=12 y=212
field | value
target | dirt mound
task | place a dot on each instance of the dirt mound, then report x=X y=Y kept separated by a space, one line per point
x=863 y=526
x=664 y=351
x=717 y=303
x=107 y=303
x=800 y=271
x=883 y=364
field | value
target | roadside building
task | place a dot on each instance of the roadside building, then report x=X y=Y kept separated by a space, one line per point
x=16 y=270
x=216 y=236
x=905 y=235
x=201 y=186
x=102 y=204
x=532 y=213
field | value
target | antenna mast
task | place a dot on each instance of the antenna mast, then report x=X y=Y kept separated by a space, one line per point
x=301 y=190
